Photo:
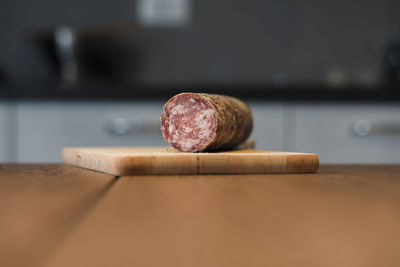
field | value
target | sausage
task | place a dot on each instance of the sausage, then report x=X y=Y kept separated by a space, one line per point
x=193 y=122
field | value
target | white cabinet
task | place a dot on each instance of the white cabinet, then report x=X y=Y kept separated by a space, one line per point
x=37 y=131
x=348 y=133
x=268 y=132
x=45 y=128
x=6 y=140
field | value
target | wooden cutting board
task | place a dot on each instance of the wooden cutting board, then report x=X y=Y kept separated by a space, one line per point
x=158 y=160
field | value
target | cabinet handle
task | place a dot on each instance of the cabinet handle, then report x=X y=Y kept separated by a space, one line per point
x=122 y=126
x=119 y=126
x=384 y=128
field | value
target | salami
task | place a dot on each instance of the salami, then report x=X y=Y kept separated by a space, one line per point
x=193 y=122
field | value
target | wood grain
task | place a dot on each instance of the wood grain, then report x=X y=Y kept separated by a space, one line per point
x=40 y=205
x=159 y=160
x=342 y=216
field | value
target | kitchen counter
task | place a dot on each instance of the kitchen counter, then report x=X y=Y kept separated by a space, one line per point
x=57 y=215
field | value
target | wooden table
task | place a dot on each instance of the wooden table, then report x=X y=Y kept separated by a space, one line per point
x=55 y=215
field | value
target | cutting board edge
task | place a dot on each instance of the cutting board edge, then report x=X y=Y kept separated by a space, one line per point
x=195 y=163
x=71 y=157
x=308 y=163
x=129 y=164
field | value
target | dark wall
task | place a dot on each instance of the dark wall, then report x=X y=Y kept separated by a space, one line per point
x=240 y=42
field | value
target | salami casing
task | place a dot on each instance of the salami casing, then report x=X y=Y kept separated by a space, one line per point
x=193 y=122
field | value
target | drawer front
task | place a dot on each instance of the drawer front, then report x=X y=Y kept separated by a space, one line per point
x=348 y=133
x=268 y=125
x=6 y=153
x=45 y=128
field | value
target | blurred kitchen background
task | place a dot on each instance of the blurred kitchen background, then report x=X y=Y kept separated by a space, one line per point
x=321 y=76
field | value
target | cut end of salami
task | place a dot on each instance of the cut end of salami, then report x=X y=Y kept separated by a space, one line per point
x=193 y=122
x=188 y=122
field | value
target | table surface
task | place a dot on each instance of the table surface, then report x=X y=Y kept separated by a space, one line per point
x=56 y=215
